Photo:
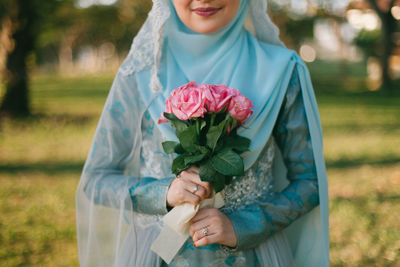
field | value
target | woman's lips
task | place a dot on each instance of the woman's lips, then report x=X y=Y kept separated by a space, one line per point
x=206 y=11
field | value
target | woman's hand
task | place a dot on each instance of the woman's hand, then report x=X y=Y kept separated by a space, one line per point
x=211 y=226
x=188 y=188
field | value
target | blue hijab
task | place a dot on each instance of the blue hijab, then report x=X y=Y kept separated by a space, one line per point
x=231 y=56
x=261 y=72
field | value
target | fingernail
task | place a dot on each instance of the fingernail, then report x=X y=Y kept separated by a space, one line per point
x=194 y=244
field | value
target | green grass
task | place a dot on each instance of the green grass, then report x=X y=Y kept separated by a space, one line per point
x=41 y=159
x=40 y=163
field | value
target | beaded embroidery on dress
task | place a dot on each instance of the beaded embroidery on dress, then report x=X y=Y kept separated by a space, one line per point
x=257 y=181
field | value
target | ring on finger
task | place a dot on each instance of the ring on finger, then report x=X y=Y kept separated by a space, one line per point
x=195 y=188
x=204 y=231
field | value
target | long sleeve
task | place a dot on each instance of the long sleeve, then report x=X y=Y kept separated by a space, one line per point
x=113 y=148
x=257 y=222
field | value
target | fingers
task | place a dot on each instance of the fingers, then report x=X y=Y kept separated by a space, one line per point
x=195 y=189
x=201 y=215
x=207 y=240
x=191 y=192
x=193 y=169
x=195 y=227
x=211 y=226
x=204 y=232
x=200 y=232
x=180 y=192
x=206 y=236
x=188 y=197
x=203 y=218
x=192 y=175
x=185 y=191
x=189 y=188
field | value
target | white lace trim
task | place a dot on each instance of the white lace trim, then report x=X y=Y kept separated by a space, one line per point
x=147 y=46
x=265 y=29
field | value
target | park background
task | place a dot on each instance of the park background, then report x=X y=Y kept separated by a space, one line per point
x=58 y=59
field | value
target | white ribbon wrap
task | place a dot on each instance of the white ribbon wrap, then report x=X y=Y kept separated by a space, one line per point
x=176 y=227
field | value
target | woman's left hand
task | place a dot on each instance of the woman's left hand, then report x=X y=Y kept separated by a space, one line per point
x=211 y=226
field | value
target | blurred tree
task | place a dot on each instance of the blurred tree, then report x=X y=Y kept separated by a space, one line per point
x=25 y=19
x=369 y=41
x=294 y=28
x=389 y=27
x=58 y=34
x=297 y=25
x=70 y=28
x=54 y=30
x=3 y=9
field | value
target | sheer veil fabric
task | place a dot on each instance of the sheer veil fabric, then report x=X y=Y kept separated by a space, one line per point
x=110 y=233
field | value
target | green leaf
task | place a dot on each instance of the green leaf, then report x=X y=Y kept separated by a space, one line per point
x=178 y=165
x=188 y=139
x=190 y=160
x=220 y=145
x=169 y=146
x=170 y=116
x=228 y=180
x=203 y=149
x=207 y=172
x=179 y=149
x=237 y=142
x=219 y=182
x=203 y=124
x=213 y=135
x=228 y=162
x=180 y=126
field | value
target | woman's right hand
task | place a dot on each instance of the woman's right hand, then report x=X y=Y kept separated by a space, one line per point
x=188 y=188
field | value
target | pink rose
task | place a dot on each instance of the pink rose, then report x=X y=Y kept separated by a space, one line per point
x=218 y=96
x=240 y=108
x=186 y=102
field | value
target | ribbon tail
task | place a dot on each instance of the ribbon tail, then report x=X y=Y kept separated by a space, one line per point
x=168 y=244
x=176 y=227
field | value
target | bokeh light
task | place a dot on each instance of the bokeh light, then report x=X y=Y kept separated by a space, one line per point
x=88 y=3
x=308 y=53
x=359 y=19
x=396 y=12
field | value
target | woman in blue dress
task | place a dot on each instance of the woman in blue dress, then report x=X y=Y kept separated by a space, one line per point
x=274 y=215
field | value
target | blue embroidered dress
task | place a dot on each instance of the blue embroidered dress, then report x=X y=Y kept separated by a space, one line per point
x=252 y=202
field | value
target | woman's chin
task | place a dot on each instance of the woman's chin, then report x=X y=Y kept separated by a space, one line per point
x=205 y=28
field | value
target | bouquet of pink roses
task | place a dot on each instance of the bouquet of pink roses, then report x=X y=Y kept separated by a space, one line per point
x=206 y=118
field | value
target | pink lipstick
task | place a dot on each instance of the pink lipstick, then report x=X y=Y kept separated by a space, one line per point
x=206 y=11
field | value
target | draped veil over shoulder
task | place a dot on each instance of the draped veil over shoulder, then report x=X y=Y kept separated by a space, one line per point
x=163 y=56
